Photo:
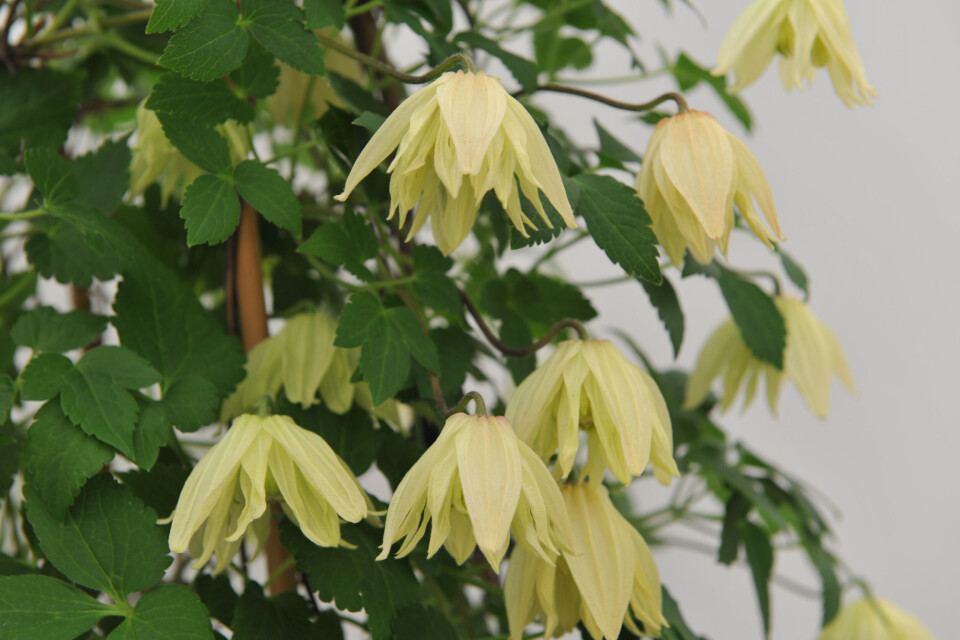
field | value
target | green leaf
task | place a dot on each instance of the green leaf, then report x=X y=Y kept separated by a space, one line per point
x=259 y=75
x=436 y=290
x=169 y=15
x=63 y=252
x=524 y=70
x=103 y=177
x=39 y=106
x=357 y=97
x=411 y=334
x=280 y=617
x=367 y=119
x=110 y=540
x=825 y=566
x=689 y=74
x=352 y=435
x=385 y=360
x=43 y=376
x=269 y=194
x=44 y=608
x=514 y=332
x=760 y=323
x=554 y=52
x=159 y=488
x=101 y=408
x=217 y=595
x=678 y=629
x=211 y=45
x=211 y=210
x=6 y=396
x=547 y=300
x=352 y=578
x=795 y=272
x=52 y=175
x=349 y=243
x=121 y=365
x=542 y=233
x=43 y=329
x=200 y=144
x=358 y=317
x=324 y=13
x=760 y=556
x=278 y=26
x=735 y=511
x=163 y=322
x=207 y=103
x=613 y=148
x=620 y=225
x=170 y=612
x=189 y=403
x=60 y=458
x=416 y=622
x=664 y=298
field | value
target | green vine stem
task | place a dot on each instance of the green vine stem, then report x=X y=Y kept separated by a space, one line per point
x=680 y=101
x=457 y=59
x=480 y=407
x=566 y=323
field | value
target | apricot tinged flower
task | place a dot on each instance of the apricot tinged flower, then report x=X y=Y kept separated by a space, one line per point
x=302 y=360
x=610 y=582
x=478 y=482
x=875 y=619
x=813 y=354
x=457 y=138
x=589 y=385
x=693 y=172
x=258 y=460
x=808 y=34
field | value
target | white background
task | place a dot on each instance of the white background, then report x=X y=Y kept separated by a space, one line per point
x=867 y=200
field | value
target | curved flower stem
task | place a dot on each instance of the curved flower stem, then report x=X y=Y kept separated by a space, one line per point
x=681 y=102
x=566 y=323
x=479 y=405
x=460 y=59
x=774 y=278
x=23 y=215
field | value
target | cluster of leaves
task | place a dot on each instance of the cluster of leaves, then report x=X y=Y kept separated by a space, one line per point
x=84 y=553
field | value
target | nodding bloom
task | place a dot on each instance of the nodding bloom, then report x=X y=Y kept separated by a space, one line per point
x=875 y=619
x=693 y=173
x=589 y=385
x=812 y=356
x=456 y=139
x=611 y=581
x=263 y=459
x=155 y=159
x=808 y=34
x=302 y=361
x=476 y=483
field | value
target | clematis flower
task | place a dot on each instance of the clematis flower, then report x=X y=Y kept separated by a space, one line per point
x=693 y=172
x=808 y=34
x=456 y=139
x=589 y=385
x=155 y=159
x=812 y=356
x=302 y=360
x=875 y=619
x=611 y=582
x=476 y=483
x=261 y=459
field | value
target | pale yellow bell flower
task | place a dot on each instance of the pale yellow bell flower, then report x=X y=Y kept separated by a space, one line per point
x=302 y=360
x=476 y=483
x=808 y=34
x=261 y=459
x=288 y=102
x=875 y=619
x=811 y=358
x=456 y=139
x=590 y=385
x=610 y=581
x=693 y=173
x=154 y=159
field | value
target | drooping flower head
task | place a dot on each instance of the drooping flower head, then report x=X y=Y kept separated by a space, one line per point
x=808 y=34
x=258 y=460
x=456 y=139
x=812 y=356
x=589 y=385
x=875 y=619
x=476 y=483
x=302 y=360
x=610 y=582
x=155 y=159
x=693 y=172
